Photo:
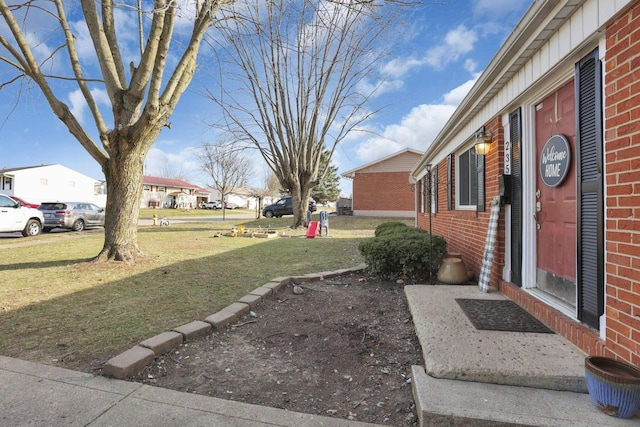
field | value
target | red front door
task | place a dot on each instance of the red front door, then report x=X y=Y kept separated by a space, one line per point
x=556 y=206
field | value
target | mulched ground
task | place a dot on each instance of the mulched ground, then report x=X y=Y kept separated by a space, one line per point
x=342 y=348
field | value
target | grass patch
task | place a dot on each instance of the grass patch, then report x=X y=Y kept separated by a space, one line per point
x=57 y=308
x=146 y=213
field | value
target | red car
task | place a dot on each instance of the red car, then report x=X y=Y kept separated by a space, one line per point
x=24 y=203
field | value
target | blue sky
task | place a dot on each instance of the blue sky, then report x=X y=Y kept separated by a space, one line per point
x=447 y=45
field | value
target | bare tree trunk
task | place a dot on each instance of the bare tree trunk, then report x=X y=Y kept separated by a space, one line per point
x=123 y=207
x=300 y=204
x=299 y=210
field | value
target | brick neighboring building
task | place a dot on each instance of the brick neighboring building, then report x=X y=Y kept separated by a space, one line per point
x=384 y=188
x=560 y=106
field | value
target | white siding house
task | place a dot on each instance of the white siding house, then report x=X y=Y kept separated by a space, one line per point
x=50 y=183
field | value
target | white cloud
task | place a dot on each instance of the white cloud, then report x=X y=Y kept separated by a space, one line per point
x=399 y=67
x=183 y=162
x=79 y=104
x=470 y=65
x=84 y=45
x=416 y=130
x=376 y=89
x=457 y=43
x=456 y=96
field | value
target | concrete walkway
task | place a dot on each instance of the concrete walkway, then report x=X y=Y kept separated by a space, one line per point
x=32 y=394
x=470 y=378
x=489 y=378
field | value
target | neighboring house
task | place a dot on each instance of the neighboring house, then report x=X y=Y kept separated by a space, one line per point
x=170 y=193
x=51 y=183
x=385 y=188
x=244 y=198
x=559 y=108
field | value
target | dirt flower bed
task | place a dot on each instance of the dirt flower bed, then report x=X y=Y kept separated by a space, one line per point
x=342 y=347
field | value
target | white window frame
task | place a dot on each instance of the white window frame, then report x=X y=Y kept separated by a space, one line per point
x=459 y=206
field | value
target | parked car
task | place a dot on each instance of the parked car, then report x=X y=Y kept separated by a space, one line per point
x=211 y=205
x=231 y=205
x=27 y=204
x=74 y=216
x=284 y=207
x=16 y=217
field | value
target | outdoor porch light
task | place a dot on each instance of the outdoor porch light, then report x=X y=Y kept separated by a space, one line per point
x=483 y=141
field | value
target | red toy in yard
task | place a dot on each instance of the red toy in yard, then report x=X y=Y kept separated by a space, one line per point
x=312 y=230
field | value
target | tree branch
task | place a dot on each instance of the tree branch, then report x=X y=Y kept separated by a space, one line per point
x=101 y=43
x=77 y=70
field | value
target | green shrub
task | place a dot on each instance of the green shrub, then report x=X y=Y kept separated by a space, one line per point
x=402 y=250
x=391 y=227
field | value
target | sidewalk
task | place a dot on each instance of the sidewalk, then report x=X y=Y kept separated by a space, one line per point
x=489 y=378
x=32 y=394
x=470 y=378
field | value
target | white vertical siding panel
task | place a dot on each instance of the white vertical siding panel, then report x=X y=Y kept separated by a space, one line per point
x=507 y=90
x=528 y=74
x=504 y=98
x=517 y=80
x=515 y=85
x=553 y=47
x=520 y=81
x=494 y=105
x=565 y=40
x=545 y=53
x=536 y=65
x=590 y=17
x=576 y=29
x=604 y=9
x=608 y=8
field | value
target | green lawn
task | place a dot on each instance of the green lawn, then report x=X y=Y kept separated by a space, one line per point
x=58 y=308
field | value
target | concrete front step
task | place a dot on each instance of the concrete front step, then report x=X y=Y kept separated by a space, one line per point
x=444 y=402
x=454 y=349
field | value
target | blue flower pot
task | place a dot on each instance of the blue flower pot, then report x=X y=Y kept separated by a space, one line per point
x=614 y=386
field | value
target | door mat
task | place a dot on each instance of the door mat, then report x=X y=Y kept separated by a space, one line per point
x=500 y=315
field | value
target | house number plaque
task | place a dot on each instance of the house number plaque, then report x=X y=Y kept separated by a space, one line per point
x=555 y=161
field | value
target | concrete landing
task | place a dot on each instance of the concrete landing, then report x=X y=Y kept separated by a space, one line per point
x=475 y=377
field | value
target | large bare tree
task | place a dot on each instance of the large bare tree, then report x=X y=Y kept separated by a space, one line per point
x=143 y=87
x=227 y=168
x=296 y=79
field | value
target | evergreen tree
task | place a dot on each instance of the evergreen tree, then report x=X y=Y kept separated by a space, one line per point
x=327 y=189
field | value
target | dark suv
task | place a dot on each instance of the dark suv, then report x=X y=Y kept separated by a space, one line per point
x=284 y=207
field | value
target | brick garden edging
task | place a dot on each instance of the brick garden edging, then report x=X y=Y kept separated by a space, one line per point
x=137 y=358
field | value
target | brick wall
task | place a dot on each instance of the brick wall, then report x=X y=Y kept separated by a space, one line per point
x=580 y=335
x=466 y=231
x=622 y=178
x=381 y=191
